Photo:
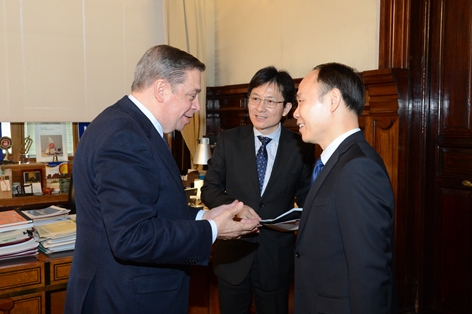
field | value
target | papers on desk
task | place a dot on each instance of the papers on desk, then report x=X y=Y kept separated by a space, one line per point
x=21 y=248
x=47 y=215
x=14 y=220
x=15 y=235
x=288 y=221
x=56 y=237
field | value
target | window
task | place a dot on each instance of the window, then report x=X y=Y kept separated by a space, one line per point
x=27 y=128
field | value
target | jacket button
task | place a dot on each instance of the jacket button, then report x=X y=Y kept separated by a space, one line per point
x=297 y=254
x=261 y=204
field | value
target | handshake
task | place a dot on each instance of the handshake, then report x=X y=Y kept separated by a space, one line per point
x=234 y=220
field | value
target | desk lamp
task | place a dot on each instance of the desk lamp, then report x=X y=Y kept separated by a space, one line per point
x=203 y=152
x=202 y=155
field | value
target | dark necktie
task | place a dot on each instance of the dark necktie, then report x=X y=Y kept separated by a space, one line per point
x=318 y=166
x=261 y=160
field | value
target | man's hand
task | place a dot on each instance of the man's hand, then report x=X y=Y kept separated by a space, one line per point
x=248 y=213
x=233 y=220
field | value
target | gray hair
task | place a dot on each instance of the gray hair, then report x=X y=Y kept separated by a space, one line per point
x=164 y=62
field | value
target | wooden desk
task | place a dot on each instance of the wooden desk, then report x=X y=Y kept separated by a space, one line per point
x=36 y=284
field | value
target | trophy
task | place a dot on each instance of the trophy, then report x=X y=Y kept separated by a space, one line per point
x=24 y=157
x=5 y=144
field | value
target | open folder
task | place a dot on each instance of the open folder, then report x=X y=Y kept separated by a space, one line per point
x=288 y=221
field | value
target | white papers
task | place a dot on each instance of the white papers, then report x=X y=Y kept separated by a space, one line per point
x=47 y=215
x=288 y=221
x=24 y=248
x=13 y=236
x=50 y=211
x=56 y=237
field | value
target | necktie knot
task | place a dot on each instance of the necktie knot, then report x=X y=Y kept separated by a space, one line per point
x=264 y=140
x=261 y=160
x=316 y=170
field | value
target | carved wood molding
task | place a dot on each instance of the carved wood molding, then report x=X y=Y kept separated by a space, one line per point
x=394 y=34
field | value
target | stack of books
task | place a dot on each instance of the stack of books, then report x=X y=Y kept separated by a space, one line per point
x=16 y=239
x=47 y=215
x=57 y=236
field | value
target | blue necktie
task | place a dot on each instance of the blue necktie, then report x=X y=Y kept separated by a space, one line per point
x=318 y=166
x=261 y=160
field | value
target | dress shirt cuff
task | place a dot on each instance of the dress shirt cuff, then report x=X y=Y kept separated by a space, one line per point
x=214 y=227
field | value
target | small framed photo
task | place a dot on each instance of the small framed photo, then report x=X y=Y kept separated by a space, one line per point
x=32 y=182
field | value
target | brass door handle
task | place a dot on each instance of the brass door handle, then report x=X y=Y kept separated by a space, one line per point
x=467 y=183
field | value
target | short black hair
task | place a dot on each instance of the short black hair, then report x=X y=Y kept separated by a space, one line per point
x=282 y=79
x=347 y=80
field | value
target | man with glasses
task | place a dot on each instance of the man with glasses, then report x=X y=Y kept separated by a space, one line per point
x=266 y=167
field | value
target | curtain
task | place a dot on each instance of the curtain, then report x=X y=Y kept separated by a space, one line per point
x=186 y=30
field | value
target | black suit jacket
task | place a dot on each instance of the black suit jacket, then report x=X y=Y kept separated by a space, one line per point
x=136 y=236
x=344 y=250
x=232 y=175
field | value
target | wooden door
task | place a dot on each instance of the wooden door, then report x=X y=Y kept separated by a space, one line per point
x=447 y=277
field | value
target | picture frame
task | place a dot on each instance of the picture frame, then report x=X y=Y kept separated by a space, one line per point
x=51 y=141
x=32 y=181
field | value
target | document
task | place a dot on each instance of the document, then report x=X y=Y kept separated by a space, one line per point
x=288 y=221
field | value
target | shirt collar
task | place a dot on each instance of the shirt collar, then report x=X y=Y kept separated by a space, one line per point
x=148 y=114
x=274 y=136
x=326 y=154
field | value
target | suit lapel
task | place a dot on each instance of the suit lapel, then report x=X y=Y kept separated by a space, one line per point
x=249 y=160
x=333 y=160
x=159 y=145
x=282 y=157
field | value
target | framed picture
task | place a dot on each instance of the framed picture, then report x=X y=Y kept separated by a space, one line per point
x=32 y=182
x=51 y=141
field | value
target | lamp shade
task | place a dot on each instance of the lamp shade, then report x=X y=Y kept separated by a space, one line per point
x=203 y=152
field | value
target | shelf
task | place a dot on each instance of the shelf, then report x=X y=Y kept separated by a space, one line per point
x=34 y=201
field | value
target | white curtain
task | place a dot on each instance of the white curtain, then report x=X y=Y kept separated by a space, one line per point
x=187 y=30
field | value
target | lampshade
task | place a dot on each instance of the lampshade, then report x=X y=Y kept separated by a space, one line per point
x=203 y=152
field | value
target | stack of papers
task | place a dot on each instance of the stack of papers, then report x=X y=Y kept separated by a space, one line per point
x=55 y=237
x=288 y=221
x=16 y=238
x=47 y=215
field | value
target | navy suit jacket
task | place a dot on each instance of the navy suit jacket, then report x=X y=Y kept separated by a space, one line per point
x=344 y=249
x=136 y=236
x=231 y=175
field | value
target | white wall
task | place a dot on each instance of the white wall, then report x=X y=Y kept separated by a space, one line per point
x=68 y=60
x=295 y=35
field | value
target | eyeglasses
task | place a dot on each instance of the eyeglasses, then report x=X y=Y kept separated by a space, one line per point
x=268 y=103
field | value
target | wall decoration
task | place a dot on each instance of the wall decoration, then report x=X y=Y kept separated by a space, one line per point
x=51 y=142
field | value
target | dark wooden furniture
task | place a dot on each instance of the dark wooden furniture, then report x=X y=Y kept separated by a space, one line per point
x=36 y=284
x=431 y=38
x=6 y=305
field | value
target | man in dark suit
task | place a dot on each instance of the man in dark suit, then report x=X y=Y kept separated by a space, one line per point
x=136 y=236
x=344 y=249
x=262 y=263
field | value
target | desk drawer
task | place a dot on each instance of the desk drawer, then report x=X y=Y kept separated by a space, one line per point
x=20 y=277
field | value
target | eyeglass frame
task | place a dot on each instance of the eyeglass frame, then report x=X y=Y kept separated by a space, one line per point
x=255 y=101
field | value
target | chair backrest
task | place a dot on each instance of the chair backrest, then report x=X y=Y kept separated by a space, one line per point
x=6 y=305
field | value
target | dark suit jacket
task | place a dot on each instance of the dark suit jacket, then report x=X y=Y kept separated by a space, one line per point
x=232 y=175
x=136 y=236
x=344 y=250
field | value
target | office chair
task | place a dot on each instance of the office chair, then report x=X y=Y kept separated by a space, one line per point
x=6 y=305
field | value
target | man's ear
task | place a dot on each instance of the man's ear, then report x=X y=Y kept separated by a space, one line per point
x=287 y=108
x=159 y=89
x=335 y=98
